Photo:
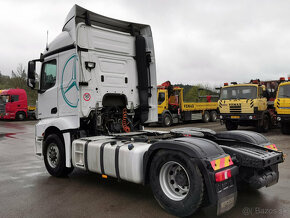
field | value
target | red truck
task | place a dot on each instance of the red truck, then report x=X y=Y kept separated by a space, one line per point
x=13 y=105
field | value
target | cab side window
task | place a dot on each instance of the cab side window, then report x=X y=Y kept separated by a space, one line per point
x=161 y=98
x=48 y=75
x=14 y=98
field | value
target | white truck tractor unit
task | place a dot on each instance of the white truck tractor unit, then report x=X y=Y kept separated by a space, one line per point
x=97 y=88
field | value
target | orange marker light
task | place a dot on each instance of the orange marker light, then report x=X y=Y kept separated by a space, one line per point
x=104 y=176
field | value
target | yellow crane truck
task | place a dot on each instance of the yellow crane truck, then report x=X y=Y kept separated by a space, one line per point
x=282 y=105
x=249 y=104
x=172 y=109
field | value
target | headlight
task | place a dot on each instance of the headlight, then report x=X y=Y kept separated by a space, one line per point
x=250 y=117
x=7 y=114
x=221 y=117
x=278 y=118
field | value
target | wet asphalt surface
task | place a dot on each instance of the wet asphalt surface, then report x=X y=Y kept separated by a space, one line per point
x=27 y=190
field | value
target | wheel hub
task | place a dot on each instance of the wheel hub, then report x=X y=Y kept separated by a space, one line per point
x=53 y=155
x=174 y=181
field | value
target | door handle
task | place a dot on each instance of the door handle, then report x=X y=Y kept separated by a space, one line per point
x=53 y=110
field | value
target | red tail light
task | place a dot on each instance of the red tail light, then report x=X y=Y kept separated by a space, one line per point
x=289 y=78
x=223 y=175
x=226 y=84
x=282 y=78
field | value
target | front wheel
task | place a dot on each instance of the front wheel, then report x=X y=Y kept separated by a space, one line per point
x=231 y=125
x=285 y=128
x=54 y=156
x=20 y=116
x=264 y=125
x=167 y=120
x=176 y=182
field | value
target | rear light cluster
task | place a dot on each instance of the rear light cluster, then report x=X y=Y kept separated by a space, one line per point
x=223 y=175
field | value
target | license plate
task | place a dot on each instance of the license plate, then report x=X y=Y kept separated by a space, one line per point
x=235 y=117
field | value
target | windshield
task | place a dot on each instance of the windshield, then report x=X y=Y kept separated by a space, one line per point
x=238 y=92
x=284 y=91
x=4 y=99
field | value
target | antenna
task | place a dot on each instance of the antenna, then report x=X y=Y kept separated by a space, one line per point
x=47 y=40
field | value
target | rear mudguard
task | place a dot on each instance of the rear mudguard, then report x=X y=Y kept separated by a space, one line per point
x=243 y=136
x=201 y=151
x=255 y=156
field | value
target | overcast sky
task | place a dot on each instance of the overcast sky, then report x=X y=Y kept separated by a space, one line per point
x=196 y=41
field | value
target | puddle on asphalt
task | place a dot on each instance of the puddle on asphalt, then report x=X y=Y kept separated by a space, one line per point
x=8 y=135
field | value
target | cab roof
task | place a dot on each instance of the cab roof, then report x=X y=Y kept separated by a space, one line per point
x=237 y=85
x=13 y=92
x=285 y=83
x=90 y=18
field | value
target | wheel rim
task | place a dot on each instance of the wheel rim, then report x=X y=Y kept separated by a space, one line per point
x=206 y=117
x=53 y=155
x=174 y=181
x=167 y=121
x=21 y=116
x=214 y=117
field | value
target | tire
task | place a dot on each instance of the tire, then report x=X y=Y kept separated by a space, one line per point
x=285 y=128
x=265 y=125
x=213 y=116
x=54 y=156
x=176 y=182
x=166 y=120
x=231 y=125
x=20 y=116
x=205 y=117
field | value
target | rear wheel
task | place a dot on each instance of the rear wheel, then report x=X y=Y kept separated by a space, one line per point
x=176 y=183
x=54 y=156
x=230 y=125
x=20 y=116
x=205 y=117
x=213 y=116
x=167 y=120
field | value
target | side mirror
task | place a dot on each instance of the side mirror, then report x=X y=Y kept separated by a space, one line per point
x=31 y=74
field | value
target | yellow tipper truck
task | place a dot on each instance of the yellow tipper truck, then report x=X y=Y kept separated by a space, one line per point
x=249 y=104
x=173 y=109
x=282 y=105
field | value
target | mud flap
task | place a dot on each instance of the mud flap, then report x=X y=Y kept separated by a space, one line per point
x=226 y=203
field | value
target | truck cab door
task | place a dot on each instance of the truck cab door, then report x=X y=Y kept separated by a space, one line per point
x=162 y=101
x=47 y=98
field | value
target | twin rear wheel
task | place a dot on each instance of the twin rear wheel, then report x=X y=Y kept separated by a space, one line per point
x=176 y=183
x=54 y=156
x=209 y=116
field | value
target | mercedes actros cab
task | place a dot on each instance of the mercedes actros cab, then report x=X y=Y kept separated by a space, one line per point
x=97 y=89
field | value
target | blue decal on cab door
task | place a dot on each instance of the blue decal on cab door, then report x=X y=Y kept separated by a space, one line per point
x=72 y=86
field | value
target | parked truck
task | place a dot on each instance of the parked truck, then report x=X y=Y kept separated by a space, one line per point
x=98 y=88
x=13 y=105
x=282 y=105
x=248 y=104
x=173 y=109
